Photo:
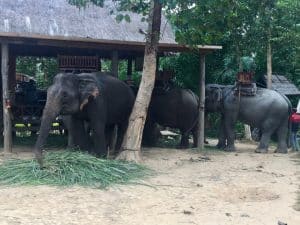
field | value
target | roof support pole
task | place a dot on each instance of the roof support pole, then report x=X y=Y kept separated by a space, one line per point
x=129 y=69
x=7 y=132
x=201 y=102
x=12 y=82
x=115 y=63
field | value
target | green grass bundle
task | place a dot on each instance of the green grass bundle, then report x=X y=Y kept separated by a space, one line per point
x=70 y=168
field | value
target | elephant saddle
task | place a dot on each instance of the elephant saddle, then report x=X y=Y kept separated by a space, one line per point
x=245 y=89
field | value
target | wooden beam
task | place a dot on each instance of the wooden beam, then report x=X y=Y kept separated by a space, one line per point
x=201 y=102
x=6 y=100
x=115 y=63
x=72 y=42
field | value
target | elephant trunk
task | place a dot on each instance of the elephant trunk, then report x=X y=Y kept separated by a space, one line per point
x=50 y=112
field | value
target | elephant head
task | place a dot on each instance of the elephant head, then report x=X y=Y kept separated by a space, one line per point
x=68 y=95
x=213 y=97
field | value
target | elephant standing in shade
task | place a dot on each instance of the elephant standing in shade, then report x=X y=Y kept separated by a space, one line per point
x=175 y=108
x=267 y=110
x=97 y=98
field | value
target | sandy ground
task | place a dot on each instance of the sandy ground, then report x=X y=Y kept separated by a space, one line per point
x=205 y=188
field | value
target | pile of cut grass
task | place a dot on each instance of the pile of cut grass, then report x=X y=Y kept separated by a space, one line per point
x=71 y=168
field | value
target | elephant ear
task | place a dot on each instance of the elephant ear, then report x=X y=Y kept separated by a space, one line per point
x=88 y=90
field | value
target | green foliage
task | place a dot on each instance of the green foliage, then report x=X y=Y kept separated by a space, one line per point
x=70 y=168
x=247 y=64
x=242 y=28
x=136 y=75
x=185 y=76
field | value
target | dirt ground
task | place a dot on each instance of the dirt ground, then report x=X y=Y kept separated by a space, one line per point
x=205 y=188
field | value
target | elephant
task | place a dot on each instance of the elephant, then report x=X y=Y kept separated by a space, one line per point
x=268 y=110
x=98 y=98
x=175 y=108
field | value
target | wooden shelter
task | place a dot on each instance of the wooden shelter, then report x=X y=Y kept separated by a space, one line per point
x=52 y=28
x=283 y=85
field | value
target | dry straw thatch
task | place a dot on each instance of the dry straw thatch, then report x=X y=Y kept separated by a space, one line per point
x=54 y=18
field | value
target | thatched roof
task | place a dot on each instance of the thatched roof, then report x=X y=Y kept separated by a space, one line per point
x=56 y=18
x=281 y=84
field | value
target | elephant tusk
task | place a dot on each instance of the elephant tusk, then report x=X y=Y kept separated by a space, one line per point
x=83 y=103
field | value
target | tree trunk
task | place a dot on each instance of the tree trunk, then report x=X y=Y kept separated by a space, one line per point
x=131 y=146
x=269 y=64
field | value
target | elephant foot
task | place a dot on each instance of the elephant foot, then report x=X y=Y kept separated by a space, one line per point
x=229 y=149
x=261 y=150
x=220 y=146
x=282 y=151
x=182 y=147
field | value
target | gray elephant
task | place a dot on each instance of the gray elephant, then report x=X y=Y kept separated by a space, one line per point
x=97 y=98
x=267 y=110
x=175 y=108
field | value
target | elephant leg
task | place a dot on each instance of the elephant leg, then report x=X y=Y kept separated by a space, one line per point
x=195 y=132
x=120 y=135
x=71 y=143
x=229 y=134
x=221 y=136
x=109 y=132
x=67 y=120
x=98 y=130
x=264 y=142
x=184 y=142
x=282 y=133
x=77 y=135
x=268 y=128
x=151 y=133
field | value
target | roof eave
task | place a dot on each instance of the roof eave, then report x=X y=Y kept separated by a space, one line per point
x=167 y=47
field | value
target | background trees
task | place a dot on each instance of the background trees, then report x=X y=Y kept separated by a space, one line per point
x=242 y=27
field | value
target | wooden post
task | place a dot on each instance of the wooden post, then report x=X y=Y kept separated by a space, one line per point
x=129 y=68
x=115 y=63
x=201 y=102
x=6 y=102
x=12 y=77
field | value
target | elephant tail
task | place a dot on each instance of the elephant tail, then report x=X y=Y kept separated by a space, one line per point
x=195 y=120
